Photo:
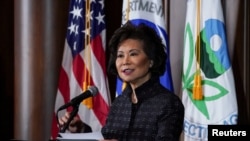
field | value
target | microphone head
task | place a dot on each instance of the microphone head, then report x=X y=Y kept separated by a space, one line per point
x=93 y=90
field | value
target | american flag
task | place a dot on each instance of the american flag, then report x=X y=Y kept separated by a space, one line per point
x=83 y=64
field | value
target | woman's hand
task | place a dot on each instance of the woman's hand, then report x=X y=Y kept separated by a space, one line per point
x=75 y=126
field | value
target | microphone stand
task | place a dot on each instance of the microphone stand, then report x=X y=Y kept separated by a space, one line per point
x=72 y=115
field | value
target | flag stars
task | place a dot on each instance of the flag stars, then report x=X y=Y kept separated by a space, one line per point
x=87 y=31
x=100 y=18
x=88 y=15
x=76 y=12
x=76 y=29
x=74 y=46
x=79 y=1
x=102 y=3
x=92 y=1
x=73 y=28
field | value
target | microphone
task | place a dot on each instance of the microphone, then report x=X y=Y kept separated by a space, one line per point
x=92 y=91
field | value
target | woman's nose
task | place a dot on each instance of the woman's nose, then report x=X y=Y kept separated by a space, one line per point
x=125 y=60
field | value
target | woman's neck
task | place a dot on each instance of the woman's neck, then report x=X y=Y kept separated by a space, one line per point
x=134 y=98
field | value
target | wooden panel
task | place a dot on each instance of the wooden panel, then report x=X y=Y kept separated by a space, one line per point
x=40 y=29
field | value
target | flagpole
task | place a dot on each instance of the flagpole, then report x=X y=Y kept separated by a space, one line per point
x=197 y=87
x=87 y=81
x=127 y=11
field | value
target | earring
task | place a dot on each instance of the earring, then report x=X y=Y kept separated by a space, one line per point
x=151 y=64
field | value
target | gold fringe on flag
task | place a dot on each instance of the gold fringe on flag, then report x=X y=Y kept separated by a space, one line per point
x=86 y=81
x=197 y=87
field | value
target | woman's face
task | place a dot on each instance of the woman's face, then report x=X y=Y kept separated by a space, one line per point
x=132 y=63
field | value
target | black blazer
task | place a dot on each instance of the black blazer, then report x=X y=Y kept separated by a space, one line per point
x=158 y=115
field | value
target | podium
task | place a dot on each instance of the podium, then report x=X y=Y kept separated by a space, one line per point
x=93 y=136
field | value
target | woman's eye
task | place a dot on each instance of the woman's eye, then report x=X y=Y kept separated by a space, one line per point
x=119 y=56
x=133 y=54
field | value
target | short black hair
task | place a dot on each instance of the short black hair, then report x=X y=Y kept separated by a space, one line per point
x=152 y=46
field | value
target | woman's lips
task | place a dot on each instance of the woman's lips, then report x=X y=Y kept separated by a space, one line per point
x=127 y=71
